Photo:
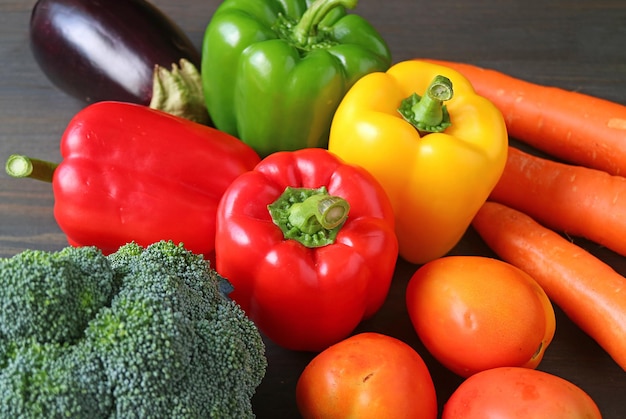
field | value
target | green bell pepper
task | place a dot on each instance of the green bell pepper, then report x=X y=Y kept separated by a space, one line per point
x=274 y=71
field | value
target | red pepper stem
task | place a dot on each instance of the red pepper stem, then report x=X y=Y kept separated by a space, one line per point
x=20 y=166
x=318 y=212
x=309 y=216
x=305 y=30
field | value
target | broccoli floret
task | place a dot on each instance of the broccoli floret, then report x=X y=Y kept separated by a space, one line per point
x=52 y=296
x=229 y=385
x=51 y=380
x=168 y=343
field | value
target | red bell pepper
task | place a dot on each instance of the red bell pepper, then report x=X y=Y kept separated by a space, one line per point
x=308 y=243
x=131 y=173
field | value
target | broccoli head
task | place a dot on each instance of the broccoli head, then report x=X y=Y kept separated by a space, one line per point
x=160 y=339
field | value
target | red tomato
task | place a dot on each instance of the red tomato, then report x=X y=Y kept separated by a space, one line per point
x=368 y=375
x=519 y=393
x=473 y=313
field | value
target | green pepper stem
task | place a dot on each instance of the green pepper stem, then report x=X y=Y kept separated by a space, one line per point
x=428 y=113
x=21 y=166
x=306 y=28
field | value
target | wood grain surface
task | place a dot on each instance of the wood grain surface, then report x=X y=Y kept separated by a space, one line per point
x=573 y=44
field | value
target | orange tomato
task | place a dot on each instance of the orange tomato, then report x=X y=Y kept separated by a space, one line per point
x=473 y=313
x=519 y=393
x=368 y=375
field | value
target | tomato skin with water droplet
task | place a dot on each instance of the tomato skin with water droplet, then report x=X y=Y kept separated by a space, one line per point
x=474 y=313
x=368 y=375
x=519 y=393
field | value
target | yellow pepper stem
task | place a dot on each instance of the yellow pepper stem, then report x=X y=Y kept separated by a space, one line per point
x=427 y=113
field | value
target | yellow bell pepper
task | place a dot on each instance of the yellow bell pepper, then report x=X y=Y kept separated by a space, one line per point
x=436 y=181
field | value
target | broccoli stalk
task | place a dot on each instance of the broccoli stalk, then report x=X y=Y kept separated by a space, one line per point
x=137 y=334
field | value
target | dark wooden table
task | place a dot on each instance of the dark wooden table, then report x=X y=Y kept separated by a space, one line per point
x=578 y=45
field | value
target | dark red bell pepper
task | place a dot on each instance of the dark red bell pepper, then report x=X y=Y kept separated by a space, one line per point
x=131 y=173
x=308 y=243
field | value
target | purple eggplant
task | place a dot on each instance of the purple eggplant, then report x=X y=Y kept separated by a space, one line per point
x=99 y=50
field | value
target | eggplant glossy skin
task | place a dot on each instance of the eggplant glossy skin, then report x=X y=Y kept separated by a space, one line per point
x=99 y=50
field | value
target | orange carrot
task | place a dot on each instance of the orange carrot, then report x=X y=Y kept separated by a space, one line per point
x=575 y=127
x=589 y=291
x=575 y=200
